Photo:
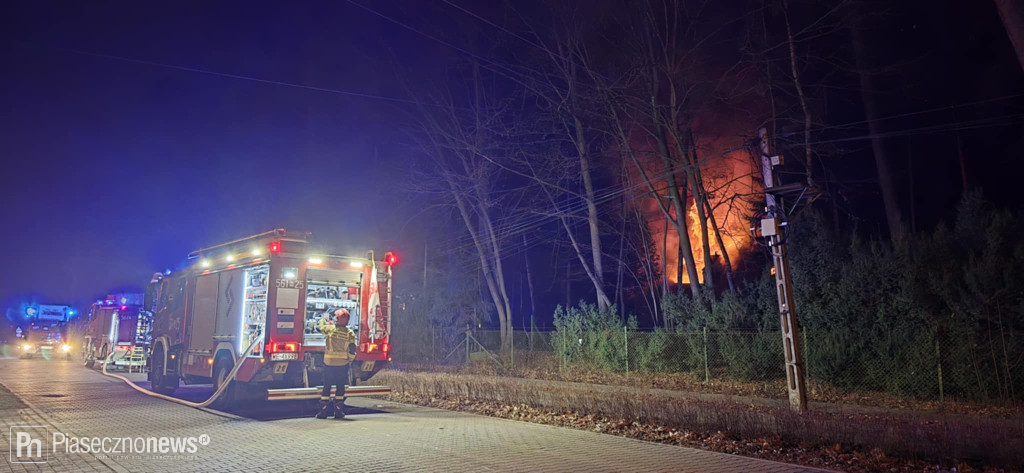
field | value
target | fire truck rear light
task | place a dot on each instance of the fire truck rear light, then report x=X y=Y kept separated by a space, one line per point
x=275 y=247
x=283 y=347
x=371 y=348
x=386 y=348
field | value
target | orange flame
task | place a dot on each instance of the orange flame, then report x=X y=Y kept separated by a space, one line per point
x=729 y=181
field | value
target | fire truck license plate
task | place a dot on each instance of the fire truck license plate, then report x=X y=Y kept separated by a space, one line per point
x=368 y=365
x=280 y=368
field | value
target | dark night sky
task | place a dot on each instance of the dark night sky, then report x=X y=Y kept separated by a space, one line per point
x=114 y=169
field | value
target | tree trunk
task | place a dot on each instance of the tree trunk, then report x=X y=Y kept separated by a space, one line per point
x=485 y=265
x=677 y=197
x=706 y=214
x=529 y=282
x=602 y=297
x=499 y=274
x=592 y=220
x=808 y=155
x=890 y=200
x=1012 y=13
x=568 y=287
x=702 y=218
x=664 y=261
x=619 y=297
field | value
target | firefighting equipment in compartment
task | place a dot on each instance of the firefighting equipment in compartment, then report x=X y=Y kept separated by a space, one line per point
x=340 y=346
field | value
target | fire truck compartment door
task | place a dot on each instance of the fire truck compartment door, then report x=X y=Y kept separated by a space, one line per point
x=204 y=312
x=229 y=304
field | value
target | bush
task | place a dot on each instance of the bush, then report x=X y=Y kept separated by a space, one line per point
x=586 y=333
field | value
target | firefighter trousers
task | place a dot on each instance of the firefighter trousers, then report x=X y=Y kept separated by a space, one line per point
x=334 y=376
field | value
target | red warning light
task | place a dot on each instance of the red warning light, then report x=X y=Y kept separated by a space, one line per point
x=391 y=258
x=275 y=247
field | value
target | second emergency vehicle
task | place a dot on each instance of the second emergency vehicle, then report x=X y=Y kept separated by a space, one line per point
x=118 y=327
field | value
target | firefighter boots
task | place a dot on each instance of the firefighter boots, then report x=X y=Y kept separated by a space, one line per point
x=325 y=409
x=339 y=409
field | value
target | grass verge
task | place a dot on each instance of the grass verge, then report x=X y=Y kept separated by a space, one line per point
x=868 y=443
x=544 y=365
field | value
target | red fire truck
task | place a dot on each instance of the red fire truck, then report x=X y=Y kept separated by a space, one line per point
x=267 y=290
x=119 y=325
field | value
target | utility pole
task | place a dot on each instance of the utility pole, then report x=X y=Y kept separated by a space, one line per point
x=773 y=227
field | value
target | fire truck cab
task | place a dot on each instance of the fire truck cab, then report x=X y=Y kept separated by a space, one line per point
x=117 y=326
x=267 y=291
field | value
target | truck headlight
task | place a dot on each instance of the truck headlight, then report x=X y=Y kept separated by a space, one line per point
x=65 y=347
x=27 y=347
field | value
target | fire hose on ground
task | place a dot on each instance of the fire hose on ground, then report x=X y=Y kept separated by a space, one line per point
x=199 y=405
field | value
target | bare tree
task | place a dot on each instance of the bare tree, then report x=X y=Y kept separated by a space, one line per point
x=886 y=181
x=454 y=137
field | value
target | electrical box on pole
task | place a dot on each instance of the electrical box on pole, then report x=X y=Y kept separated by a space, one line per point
x=773 y=228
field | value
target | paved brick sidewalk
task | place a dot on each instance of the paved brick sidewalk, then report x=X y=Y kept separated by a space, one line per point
x=385 y=437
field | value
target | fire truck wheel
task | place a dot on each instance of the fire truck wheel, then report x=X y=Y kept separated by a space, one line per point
x=89 y=363
x=163 y=384
x=221 y=370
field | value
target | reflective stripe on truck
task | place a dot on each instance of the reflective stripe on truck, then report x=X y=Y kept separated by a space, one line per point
x=294 y=394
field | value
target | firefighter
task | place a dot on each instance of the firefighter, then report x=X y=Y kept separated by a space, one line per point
x=340 y=351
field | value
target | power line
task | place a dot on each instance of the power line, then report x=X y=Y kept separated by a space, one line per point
x=247 y=78
x=921 y=112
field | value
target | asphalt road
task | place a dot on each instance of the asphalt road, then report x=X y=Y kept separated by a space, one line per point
x=65 y=398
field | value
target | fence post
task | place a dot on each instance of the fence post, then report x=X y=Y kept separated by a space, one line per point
x=625 y=336
x=467 y=345
x=512 y=350
x=707 y=371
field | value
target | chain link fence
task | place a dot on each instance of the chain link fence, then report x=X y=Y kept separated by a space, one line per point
x=921 y=366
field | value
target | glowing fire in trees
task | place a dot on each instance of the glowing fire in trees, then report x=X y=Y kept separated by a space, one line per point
x=732 y=183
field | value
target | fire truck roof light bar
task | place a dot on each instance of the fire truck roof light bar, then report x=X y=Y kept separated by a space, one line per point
x=278 y=233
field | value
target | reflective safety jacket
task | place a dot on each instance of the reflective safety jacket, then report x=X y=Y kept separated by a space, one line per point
x=341 y=344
